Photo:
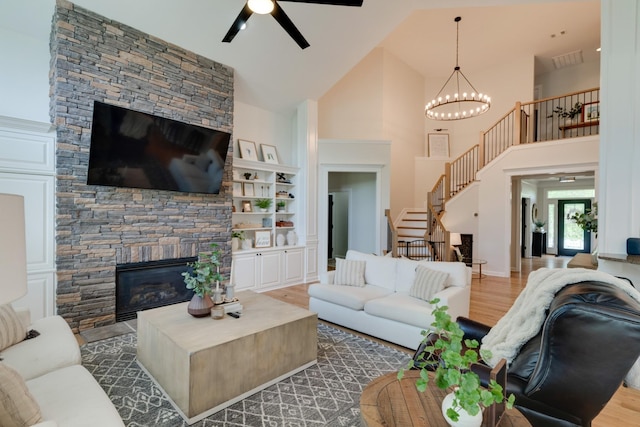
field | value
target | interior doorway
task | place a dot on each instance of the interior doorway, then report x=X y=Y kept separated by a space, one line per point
x=571 y=238
x=338 y=225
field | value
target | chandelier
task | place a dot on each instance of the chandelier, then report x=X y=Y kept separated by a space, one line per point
x=457 y=99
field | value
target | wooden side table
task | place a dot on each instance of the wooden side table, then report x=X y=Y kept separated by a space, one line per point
x=386 y=401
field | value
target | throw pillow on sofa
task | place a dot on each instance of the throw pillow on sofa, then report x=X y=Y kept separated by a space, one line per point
x=349 y=272
x=427 y=283
x=12 y=331
x=17 y=405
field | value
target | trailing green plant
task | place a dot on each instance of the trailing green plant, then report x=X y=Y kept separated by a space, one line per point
x=206 y=271
x=567 y=114
x=588 y=220
x=453 y=367
x=264 y=203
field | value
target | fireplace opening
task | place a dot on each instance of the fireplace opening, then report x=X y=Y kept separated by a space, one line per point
x=144 y=285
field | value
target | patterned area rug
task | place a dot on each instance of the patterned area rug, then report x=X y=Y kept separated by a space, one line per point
x=326 y=394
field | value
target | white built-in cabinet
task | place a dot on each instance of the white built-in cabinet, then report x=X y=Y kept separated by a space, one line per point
x=27 y=168
x=270 y=258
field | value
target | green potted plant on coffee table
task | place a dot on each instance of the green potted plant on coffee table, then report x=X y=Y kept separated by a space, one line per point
x=205 y=274
x=452 y=357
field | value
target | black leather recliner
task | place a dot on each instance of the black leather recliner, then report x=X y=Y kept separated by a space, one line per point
x=565 y=375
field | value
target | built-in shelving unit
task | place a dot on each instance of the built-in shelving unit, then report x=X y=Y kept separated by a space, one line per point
x=269 y=255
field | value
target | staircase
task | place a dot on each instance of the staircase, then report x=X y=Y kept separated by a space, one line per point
x=526 y=123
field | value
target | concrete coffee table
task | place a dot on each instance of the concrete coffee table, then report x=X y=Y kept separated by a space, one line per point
x=205 y=365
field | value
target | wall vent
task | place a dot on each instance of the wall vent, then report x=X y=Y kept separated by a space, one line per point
x=567 y=59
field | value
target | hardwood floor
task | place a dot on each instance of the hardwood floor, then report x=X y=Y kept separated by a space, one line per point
x=491 y=298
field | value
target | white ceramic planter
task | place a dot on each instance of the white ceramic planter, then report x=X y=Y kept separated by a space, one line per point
x=464 y=420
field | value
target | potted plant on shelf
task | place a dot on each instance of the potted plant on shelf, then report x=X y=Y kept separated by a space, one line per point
x=452 y=371
x=206 y=273
x=281 y=206
x=263 y=204
x=236 y=238
x=570 y=114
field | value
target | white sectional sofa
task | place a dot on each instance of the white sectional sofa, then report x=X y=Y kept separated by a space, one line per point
x=65 y=393
x=383 y=307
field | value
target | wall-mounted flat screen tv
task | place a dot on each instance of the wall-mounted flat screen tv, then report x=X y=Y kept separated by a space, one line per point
x=139 y=150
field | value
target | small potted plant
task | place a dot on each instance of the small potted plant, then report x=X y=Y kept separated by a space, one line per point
x=263 y=204
x=569 y=114
x=236 y=238
x=453 y=370
x=206 y=272
x=281 y=205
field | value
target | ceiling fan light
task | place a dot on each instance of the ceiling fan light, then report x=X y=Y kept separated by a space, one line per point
x=261 y=7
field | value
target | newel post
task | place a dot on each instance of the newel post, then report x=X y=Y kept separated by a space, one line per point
x=517 y=125
x=447 y=182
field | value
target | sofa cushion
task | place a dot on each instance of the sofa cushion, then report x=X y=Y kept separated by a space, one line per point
x=347 y=296
x=405 y=274
x=73 y=398
x=427 y=283
x=401 y=308
x=54 y=348
x=458 y=275
x=12 y=331
x=349 y=272
x=18 y=408
x=380 y=270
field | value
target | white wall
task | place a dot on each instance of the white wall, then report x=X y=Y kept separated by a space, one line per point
x=380 y=98
x=24 y=76
x=569 y=79
x=264 y=127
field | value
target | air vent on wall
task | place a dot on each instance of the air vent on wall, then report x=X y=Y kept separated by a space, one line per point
x=567 y=59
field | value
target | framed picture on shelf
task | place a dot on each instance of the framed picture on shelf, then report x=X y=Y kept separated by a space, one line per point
x=248 y=150
x=246 y=206
x=591 y=111
x=263 y=239
x=237 y=189
x=438 y=145
x=269 y=154
x=248 y=189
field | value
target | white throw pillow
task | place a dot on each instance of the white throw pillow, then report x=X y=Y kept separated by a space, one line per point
x=427 y=283
x=349 y=272
x=12 y=331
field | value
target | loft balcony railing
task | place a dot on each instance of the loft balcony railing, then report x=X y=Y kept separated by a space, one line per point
x=568 y=116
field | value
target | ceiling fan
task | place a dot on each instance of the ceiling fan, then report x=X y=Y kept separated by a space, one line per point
x=271 y=6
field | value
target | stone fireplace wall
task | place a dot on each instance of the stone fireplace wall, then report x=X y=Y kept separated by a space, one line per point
x=94 y=58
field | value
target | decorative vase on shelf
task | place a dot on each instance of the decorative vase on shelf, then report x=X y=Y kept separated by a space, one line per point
x=247 y=243
x=280 y=239
x=292 y=238
x=235 y=243
x=200 y=306
x=464 y=419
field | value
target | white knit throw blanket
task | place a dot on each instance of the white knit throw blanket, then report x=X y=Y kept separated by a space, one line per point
x=525 y=318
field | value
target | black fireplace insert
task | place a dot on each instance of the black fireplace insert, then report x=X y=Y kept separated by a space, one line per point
x=145 y=285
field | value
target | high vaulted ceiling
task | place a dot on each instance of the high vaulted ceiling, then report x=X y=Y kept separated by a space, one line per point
x=272 y=72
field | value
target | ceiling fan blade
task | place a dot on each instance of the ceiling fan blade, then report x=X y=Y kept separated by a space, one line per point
x=242 y=18
x=288 y=26
x=331 y=2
